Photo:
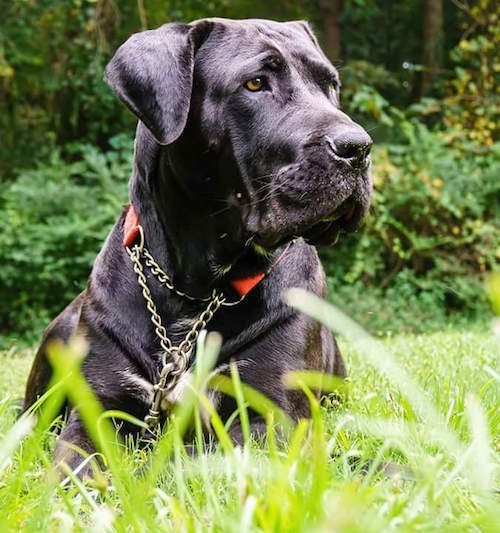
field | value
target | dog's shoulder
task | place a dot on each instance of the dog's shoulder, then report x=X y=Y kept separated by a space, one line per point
x=300 y=267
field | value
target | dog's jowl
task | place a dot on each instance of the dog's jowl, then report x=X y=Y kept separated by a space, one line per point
x=243 y=162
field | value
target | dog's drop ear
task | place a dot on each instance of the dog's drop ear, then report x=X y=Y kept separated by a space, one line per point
x=152 y=73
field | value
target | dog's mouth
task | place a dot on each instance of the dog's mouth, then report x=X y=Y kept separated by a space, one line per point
x=326 y=231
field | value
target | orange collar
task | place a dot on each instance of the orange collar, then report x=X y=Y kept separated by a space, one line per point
x=130 y=227
x=241 y=285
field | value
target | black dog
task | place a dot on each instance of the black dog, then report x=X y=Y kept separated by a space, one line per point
x=242 y=158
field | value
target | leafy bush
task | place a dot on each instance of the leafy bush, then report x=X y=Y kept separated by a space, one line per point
x=363 y=84
x=434 y=223
x=412 y=304
x=466 y=100
x=57 y=216
x=472 y=108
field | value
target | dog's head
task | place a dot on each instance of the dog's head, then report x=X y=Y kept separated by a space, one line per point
x=248 y=114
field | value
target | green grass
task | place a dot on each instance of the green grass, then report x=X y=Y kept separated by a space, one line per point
x=430 y=403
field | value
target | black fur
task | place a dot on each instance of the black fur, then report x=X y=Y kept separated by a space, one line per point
x=222 y=178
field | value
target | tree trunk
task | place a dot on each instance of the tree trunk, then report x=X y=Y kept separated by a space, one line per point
x=431 y=42
x=329 y=12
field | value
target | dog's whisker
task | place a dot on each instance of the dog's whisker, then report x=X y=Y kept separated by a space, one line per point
x=263 y=176
x=221 y=211
x=273 y=189
x=264 y=187
x=254 y=203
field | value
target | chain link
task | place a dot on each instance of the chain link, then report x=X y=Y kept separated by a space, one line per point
x=162 y=277
x=175 y=359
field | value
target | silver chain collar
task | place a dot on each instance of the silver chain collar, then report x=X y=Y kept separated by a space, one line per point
x=174 y=359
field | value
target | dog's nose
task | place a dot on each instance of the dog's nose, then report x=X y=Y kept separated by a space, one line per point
x=352 y=144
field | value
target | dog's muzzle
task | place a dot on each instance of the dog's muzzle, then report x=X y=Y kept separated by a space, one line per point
x=351 y=146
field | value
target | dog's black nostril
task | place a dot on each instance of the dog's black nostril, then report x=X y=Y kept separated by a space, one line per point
x=351 y=144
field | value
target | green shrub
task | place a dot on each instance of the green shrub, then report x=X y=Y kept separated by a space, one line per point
x=434 y=226
x=363 y=84
x=412 y=304
x=56 y=217
x=471 y=107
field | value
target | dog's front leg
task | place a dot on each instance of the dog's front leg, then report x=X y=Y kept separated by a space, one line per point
x=74 y=448
x=258 y=430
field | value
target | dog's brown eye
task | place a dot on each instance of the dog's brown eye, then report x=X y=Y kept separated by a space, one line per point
x=255 y=84
x=334 y=86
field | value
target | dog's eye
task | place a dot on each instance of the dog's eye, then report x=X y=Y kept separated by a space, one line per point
x=335 y=85
x=255 y=84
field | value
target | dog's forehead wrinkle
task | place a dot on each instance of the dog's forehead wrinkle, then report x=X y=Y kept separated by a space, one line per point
x=253 y=38
x=248 y=59
x=300 y=66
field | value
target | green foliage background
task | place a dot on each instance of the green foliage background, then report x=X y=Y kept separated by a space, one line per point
x=66 y=144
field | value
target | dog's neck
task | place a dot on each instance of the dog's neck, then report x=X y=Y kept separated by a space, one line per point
x=177 y=229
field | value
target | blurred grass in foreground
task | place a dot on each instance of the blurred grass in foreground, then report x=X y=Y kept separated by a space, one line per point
x=428 y=403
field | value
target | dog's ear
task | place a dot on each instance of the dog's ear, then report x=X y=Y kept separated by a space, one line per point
x=152 y=73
